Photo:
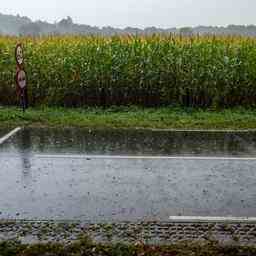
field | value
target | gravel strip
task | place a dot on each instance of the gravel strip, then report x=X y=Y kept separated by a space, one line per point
x=147 y=232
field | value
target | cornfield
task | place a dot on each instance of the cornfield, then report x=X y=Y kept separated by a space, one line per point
x=157 y=70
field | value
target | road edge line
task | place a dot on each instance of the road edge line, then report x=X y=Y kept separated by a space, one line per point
x=209 y=219
x=120 y=157
x=9 y=135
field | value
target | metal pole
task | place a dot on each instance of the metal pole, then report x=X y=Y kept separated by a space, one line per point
x=23 y=103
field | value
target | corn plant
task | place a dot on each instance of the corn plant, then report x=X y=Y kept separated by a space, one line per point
x=207 y=71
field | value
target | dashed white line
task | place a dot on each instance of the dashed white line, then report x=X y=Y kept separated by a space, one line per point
x=187 y=219
x=69 y=156
x=10 y=134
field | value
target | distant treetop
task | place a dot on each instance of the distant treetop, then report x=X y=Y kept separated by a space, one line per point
x=17 y=25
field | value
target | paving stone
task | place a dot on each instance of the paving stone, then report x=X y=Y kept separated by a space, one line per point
x=152 y=232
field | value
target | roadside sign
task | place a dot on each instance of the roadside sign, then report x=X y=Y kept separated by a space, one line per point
x=19 y=55
x=21 y=79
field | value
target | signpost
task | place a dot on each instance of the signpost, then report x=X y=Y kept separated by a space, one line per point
x=21 y=77
x=21 y=82
x=19 y=55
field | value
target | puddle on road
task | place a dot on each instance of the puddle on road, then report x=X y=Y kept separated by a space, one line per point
x=132 y=142
x=125 y=190
x=119 y=190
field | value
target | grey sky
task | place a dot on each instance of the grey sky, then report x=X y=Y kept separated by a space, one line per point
x=138 y=13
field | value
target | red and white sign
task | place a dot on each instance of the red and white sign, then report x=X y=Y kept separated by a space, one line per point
x=21 y=79
x=19 y=55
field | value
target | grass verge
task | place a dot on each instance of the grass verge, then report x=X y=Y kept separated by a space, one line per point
x=86 y=247
x=130 y=117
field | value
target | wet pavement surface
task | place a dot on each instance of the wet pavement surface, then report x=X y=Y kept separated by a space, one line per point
x=132 y=142
x=35 y=187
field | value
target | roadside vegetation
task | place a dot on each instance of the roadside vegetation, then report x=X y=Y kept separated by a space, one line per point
x=149 y=71
x=87 y=247
x=130 y=117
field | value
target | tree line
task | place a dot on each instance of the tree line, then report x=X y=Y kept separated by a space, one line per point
x=23 y=26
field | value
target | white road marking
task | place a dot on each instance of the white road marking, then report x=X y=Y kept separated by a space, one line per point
x=200 y=130
x=177 y=219
x=69 y=156
x=10 y=134
x=211 y=219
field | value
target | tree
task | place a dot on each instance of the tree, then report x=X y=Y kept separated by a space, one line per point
x=66 y=22
x=31 y=29
x=186 y=31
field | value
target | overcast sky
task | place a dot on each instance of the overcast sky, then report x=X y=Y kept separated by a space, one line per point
x=138 y=13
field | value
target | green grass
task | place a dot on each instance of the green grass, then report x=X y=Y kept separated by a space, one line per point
x=130 y=117
x=87 y=247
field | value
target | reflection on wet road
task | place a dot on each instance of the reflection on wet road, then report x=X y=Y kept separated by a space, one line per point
x=132 y=142
x=33 y=187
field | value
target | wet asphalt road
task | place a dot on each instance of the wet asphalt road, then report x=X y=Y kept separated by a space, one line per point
x=34 y=187
x=131 y=142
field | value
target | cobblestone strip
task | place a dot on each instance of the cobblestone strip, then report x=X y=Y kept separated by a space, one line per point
x=147 y=232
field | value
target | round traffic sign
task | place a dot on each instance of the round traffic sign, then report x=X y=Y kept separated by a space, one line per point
x=21 y=79
x=19 y=55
